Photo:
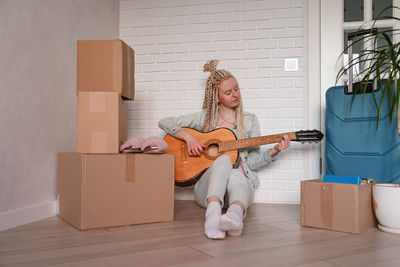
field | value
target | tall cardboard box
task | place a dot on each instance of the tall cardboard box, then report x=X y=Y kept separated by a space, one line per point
x=107 y=66
x=110 y=190
x=335 y=206
x=102 y=122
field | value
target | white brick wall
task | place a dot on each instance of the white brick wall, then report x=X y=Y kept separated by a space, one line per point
x=174 y=38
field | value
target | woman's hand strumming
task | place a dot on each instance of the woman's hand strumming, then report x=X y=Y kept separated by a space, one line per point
x=195 y=147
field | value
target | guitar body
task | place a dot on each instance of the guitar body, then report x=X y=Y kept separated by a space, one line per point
x=188 y=169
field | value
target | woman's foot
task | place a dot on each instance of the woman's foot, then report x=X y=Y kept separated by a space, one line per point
x=232 y=220
x=212 y=224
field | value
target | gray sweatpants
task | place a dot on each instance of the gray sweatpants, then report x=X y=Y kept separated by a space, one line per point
x=221 y=178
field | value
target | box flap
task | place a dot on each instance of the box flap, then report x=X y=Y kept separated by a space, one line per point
x=131 y=72
x=302 y=204
x=311 y=204
x=105 y=192
x=345 y=207
x=70 y=187
x=118 y=66
x=128 y=65
x=327 y=208
x=122 y=122
x=366 y=216
x=152 y=173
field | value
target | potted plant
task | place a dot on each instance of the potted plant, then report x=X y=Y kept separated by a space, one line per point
x=381 y=70
x=380 y=77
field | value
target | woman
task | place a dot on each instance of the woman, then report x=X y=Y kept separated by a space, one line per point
x=222 y=107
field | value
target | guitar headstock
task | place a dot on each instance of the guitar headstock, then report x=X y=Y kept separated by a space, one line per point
x=309 y=136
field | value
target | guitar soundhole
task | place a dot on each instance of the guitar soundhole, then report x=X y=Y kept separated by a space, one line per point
x=212 y=150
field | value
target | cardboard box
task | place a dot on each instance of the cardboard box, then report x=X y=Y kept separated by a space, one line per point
x=102 y=122
x=110 y=190
x=107 y=66
x=338 y=207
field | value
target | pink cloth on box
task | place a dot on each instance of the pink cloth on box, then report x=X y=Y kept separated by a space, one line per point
x=154 y=144
x=133 y=144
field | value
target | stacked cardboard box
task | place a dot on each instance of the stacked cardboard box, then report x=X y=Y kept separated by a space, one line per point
x=105 y=75
x=103 y=190
x=102 y=122
x=98 y=186
x=106 y=66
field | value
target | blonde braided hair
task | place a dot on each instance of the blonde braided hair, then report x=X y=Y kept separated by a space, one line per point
x=211 y=98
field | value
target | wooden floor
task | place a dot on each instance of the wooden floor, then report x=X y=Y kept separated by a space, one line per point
x=272 y=237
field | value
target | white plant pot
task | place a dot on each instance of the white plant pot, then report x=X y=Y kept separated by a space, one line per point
x=386 y=199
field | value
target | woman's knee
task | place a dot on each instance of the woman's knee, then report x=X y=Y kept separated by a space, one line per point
x=223 y=161
x=237 y=184
x=237 y=177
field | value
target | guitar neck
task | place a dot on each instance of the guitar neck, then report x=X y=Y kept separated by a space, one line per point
x=255 y=141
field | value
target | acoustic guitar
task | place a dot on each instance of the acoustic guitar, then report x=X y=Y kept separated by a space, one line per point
x=188 y=169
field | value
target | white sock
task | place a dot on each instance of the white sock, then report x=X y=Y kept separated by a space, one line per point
x=211 y=225
x=232 y=220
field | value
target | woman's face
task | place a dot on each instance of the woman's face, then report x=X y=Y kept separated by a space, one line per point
x=229 y=93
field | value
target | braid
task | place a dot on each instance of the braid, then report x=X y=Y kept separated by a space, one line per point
x=240 y=123
x=211 y=65
x=211 y=97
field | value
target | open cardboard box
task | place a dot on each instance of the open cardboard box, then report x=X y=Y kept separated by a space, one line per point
x=99 y=190
x=336 y=206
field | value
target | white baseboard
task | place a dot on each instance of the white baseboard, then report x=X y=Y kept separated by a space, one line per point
x=184 y=196
x=14 y=218
x=184 y=193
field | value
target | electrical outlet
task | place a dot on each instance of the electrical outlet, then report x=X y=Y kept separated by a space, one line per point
x=291 y=64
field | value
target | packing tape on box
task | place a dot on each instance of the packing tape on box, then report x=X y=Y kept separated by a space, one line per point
x=130 y=168
x=130 y=78
x=326 y=195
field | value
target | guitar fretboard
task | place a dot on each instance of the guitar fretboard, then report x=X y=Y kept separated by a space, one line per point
x=255 y=141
